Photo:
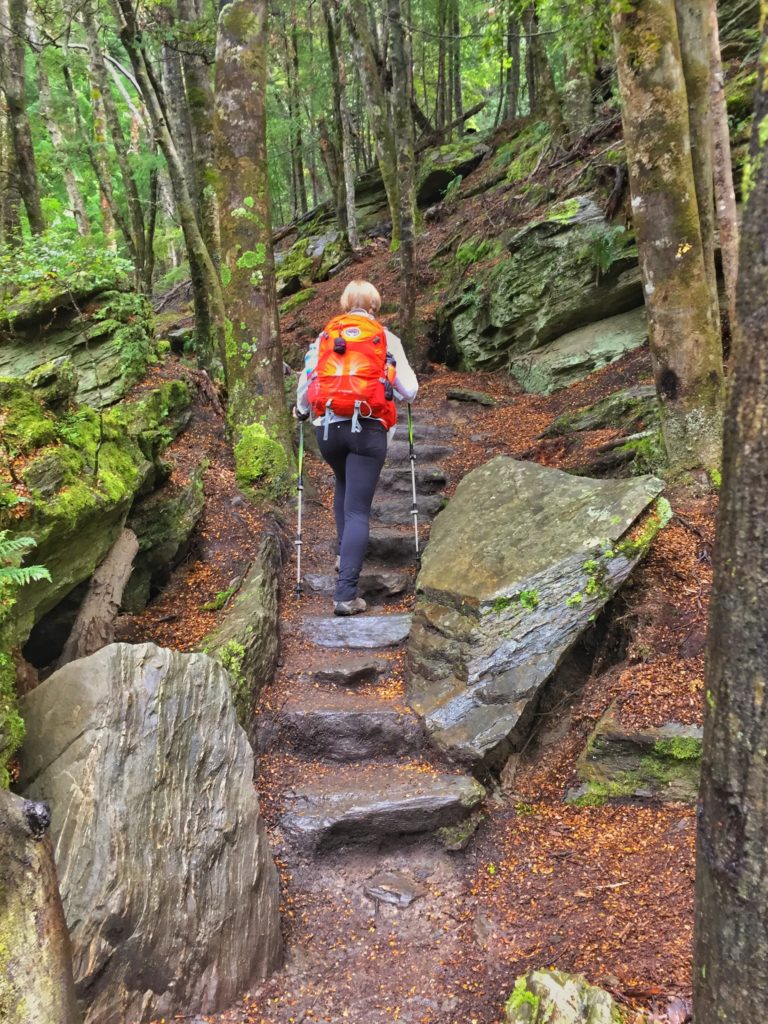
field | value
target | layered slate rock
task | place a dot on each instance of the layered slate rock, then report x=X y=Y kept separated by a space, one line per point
x=356 y=806
x=517 y=567
x=357 y=632
x=620 y=761
x=247 y=640
x=167 y=881
x=578 y=353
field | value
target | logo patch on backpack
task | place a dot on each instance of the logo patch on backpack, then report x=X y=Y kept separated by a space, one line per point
x=353 y=378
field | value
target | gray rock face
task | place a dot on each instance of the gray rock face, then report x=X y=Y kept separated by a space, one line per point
x=36 y=985
x=246 y=643
x=547 y=287
x=167 y=880
x=350 y=670
x=352 y=807
x=369 y=585
x=578 y=353
x=359 y=631
x=629 y=410
x=517 y=566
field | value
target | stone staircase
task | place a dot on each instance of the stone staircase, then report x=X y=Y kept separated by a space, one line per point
x=364 y=774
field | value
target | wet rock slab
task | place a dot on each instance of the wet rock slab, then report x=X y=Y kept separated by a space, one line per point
x=370 y=585
x=394 y=547
x=349 y=733
x=357 y=631
x=517 y=567
x=396 y=508
x=356 y=806
x=395 y=888
x=350 y=670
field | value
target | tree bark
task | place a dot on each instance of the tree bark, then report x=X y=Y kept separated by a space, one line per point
x=48 y=116
x=199 y=93
x=406 y=173
x=102 y=93
x=177 y=110
x=36 y=984
x=731 y=932
x=342 y=144
x=94 y=626
x=513 y=72
x=371 y=73
x=694 y=30
x=547 y=100
x=685 y=341
x=10 y=197
x=458 y=100
x=13 y=26
x=254 y=357
x=725 y=195
x=210 y=317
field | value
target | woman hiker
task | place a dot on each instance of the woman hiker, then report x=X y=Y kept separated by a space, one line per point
x=352 y=374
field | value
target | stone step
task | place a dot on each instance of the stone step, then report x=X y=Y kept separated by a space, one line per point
x=423 y=430
x=429 y=479
x=398 y=453
x=393 y=547
x=380 y=802
x=348 y=728
x=394 y=509
x=350 y=670
x=371 y=585
x=358 y=632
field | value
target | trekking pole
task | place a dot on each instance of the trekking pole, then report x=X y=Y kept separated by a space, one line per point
x=297 y=542
x=412 y=457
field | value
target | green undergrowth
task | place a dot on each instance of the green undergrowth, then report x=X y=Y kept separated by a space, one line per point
x=521 y=154
x=299 y=299
x=53 y=269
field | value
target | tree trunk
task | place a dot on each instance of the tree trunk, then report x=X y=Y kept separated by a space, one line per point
x=299 y=139
x=36 y=984
x=371 y=72
x=94 y=626
x=731 y=933
x=441 y=109
x=347 y=160
x=694 y=30
x=685 y=342
x=75 y=196
x=199 y=93
x=577 y=97
x=10 y=197
x=458 y=101
x=177 y=111
x=210 y=318
x=725 y=195
x=530 y=70
x=254 y=358
x=102 y=94
x=513 y=72
x=547 y=100
x=341 y=162
x=406 y=173
x=13 y=32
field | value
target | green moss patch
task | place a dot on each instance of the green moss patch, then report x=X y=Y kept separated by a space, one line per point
x=299 y=299
x=261 y=463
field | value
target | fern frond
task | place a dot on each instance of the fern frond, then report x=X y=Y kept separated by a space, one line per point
x=24 y=575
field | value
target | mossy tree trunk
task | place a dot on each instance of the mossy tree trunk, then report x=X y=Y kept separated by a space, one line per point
x=725 y=194
x=199 y=92
x=694 y=30
x=210 y=317
x=406 y=169
x=10 y=197
x=372 y=75
x=684 y=336
x=13 y=33
x=36 y=985
x=253 y=352
x=731 y=935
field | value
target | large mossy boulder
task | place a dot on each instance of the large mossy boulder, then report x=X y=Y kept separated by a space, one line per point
x=517 y=567
x=80 y=470
x=247 y=642
x=438 y=167
x=107 y=337
x=554 y=997
x=550 y=283
x=167 y=880
x=36 y=984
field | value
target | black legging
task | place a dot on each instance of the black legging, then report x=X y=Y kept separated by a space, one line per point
x=356 y=460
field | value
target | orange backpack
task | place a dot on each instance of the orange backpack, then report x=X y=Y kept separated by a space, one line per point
x=354 y=375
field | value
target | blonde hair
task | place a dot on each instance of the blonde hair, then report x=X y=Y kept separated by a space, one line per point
x=360 y=295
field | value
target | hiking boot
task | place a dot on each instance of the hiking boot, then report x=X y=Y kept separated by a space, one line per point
x=337 y=564
x=353 y=607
